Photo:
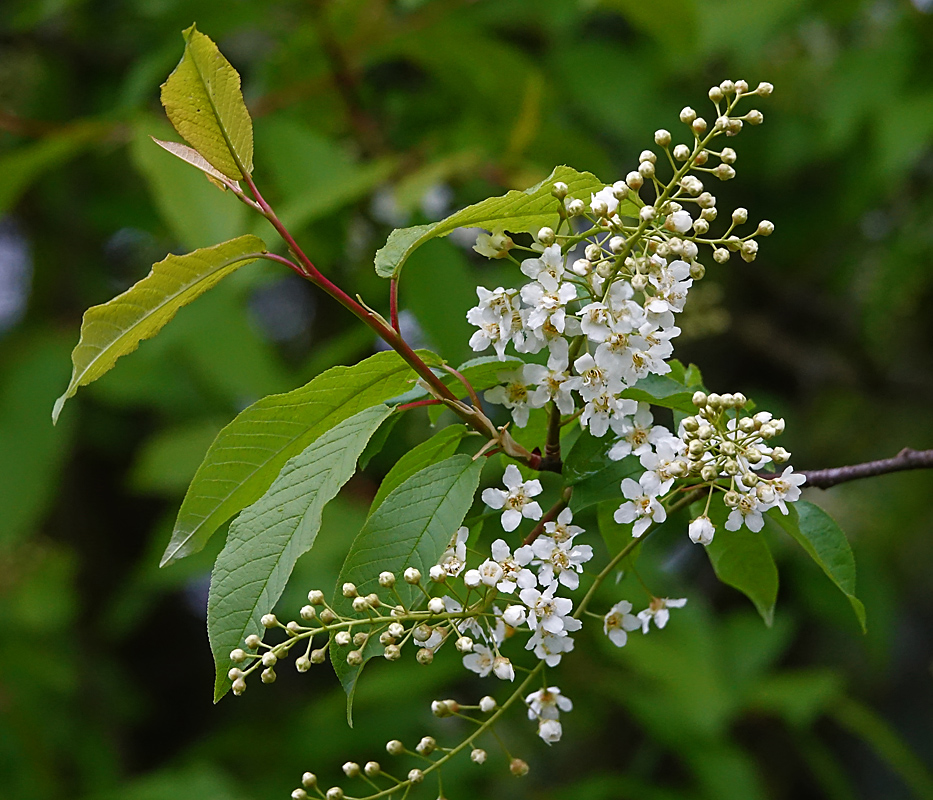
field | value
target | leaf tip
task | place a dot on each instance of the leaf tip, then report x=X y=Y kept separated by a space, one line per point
x=57 y=408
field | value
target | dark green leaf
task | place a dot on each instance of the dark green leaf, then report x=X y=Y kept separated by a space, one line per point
x=660 y=390
x=248 y=454
x=817 y=533
x=742 y=560
x=605 y=484
x=440 y=446
x=267 y=538
x=411 y=528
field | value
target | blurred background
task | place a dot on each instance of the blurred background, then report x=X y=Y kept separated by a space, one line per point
x=371 y=115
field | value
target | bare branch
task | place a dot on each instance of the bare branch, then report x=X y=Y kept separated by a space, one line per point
x=906 y=459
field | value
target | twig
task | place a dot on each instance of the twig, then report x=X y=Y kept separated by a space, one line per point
x=550 y=516
x=906 y=459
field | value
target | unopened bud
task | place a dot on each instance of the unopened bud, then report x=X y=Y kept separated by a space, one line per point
x=687 y=115
x=575 y=207
x=715 y=94
x=415 y=776
x=518 y=767
x=316 y=597
x=354 y=658
x=318 y=656
x=387 y=580
x=754 y=117
x=395 y=747
x=424 y=656
x=436 y=605
x=268 y=675
x=334 y=793
x=392 y=653
x=546 y=236
x=765 y=228
x=372 y=769
x=662 y=137
x=412 y=575
x=487 y=704
x=269 y=621
x=342 y=638
x=426 y=746
x=349 y=590
x=728 y=155
x=351 y=769
x=698 y=125
x=559 y=190
x=478 y=755
x=237 y=656
x=309 y=780
x=635 y=180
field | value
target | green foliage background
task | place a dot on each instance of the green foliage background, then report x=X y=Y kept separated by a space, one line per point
x=373 y=114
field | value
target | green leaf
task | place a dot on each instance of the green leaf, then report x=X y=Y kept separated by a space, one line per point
x=267 y=538
x=441 y=445
x=202 y=98
x=411 y=528
x=606 y=484
x=662 y=391
x=588 y=457
x=742 y=560
x=817 y=533
x=483 y=372
x=116 y=328
x=247 y=454
x=514 y=211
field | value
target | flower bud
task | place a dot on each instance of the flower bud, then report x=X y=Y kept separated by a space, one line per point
x=412 y=575
x=518 y=767
x=741 y=87
x=253 y=641
x=740 y=216
x=426 y=746
x=424 y=656
x=302 y=663
x=396 y=629
x=754 y=117
x=709 y=472
x=342 y=638
x=464 y=644
x=724 y=172
x=765 y=228
x=545 y=236
x=478 y=755
x=715 y=94
x=235 y=674
x=575 y=207
x=779 y=455
x=487 y=704
x=316 y=597
x=351 y=769
x=698 y=125
x=728 y=155
x=639 y=282
x=436 y=605
x=269 y=621
x=318 y=656
x=707 y=201
x=237 y=656
x=392 y=653
x=764 y=89
x=582 y=267
x=327 y=616
x=387 y=580
x=307 y=613
x=699 y=399
x=731 y=499
x=372 y=769
x=334 y=793
x=687 y=115
x=697 y=271
x=437 y=574
x=349 y=590
x=395 y=747
x=354 y=658
x=559 y=190
x=727 y=87
x=309 y=780
x=239 y=686
x=299 y=794
x=749 y=250
x=647 y=214
x=681 y=152
x=268 y=675
x=359 y=604
x=720 y=255
x=269 y=659
x=635 y=180
x=415 y=776
x=599 y=207
x=647 y=155
x=662 y=137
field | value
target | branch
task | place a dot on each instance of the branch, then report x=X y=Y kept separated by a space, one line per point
x=906 y=459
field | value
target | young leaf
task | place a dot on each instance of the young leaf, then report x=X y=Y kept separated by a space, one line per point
x=514 y=211
x=441 y=445
x=817 y=533
x=247 y=454
x=411 y=528
x=193 y=157
x=660 y=390
x=742 y=560
x=116 y=328
x=202 y=98
x=267 y=538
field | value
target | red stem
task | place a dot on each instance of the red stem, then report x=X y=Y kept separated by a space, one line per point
x=417 y=403
x=393 y=305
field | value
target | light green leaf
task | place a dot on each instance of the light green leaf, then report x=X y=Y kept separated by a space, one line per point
x=267 y=538
x=247 y=454
x=513 y=211
x=817 y=533
x=202 y=98
x=411 y=528
x=742 y=560
x=441 y=445
x=116 y=328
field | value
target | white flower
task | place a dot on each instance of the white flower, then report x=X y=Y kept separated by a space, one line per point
x=496 y=245
x=658 y=611
x=513 y=569
x=619 y=621
x=701 y=530
x=560 y=560
x=562 y=530
x=659 y=464
x=549 y=647
x=513 y=616
x=479 y=661
x=679 y=222
x=605 y=195
x=514 y=394
x=637 y=434
x=596 y=379
x=787 y=488
x=550 y=730
x=747 y=511
x=551 y=613
x=643 y=507
x=490 y=572
x=595 y=321
x=547 y=703
x=546 y=270
x=555 y=382
x=454 y=557
x=547 y=308
x=516 y=502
